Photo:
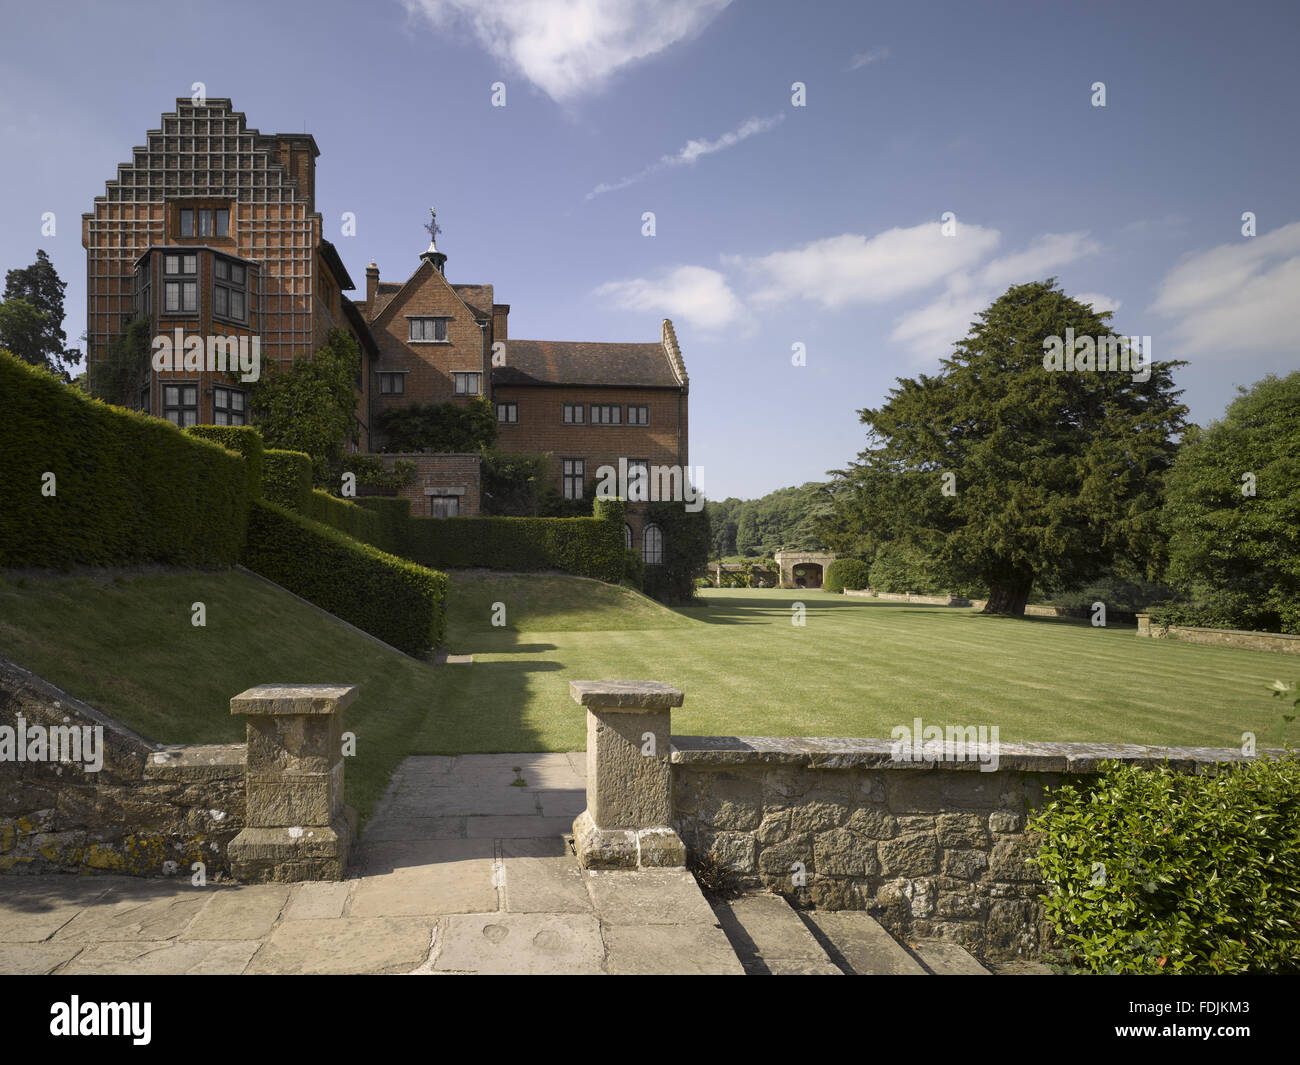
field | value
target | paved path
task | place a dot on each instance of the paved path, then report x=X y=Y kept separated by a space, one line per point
x=461 y=869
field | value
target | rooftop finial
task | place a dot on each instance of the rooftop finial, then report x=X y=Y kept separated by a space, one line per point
x=434 y=229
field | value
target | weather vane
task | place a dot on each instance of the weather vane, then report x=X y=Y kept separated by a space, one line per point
x=433 y=227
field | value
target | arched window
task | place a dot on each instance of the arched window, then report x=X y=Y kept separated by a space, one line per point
x=652 y=545
x=627 y=536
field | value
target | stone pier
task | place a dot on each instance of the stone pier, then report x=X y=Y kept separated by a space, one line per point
x=628 y=820
x=297 y=825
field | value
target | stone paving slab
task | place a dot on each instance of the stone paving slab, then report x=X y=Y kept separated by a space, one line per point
x=393 y=828
x=545 y=885
x=33 y=908
x=770 y=939
x=244 y=912
x=947 y=959
x=426 y=878
x=521 y=943
x=165 y=958
x=648 y=897
x=865 y=947
x=517 y=827
x=145 y=917
x=669 y=949
x=35 y=959
x=318 y=901
x=346 y=946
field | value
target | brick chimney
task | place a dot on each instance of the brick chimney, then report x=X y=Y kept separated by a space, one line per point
x=500 y=312
x=372 y=288
x=297 y=153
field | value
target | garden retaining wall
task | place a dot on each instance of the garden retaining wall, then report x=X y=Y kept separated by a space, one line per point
x=930 y=848
x=150 y=809
x=1284 y=643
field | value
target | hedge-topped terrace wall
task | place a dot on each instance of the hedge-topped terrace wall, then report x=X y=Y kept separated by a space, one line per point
x=91 y=484
x=401 y=603
x=588 y=547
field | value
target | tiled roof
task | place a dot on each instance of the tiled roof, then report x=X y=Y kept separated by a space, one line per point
x=478 y=298
x=560 y=362
x=384 y=293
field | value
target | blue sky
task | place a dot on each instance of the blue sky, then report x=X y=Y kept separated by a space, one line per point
x=775 y=224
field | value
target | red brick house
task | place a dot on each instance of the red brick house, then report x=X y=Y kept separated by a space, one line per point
x=584 y=404
x=212 y=230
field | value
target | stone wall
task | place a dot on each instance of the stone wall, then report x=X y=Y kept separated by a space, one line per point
x=149 y=810
x=930 y=848
x=1281 y=642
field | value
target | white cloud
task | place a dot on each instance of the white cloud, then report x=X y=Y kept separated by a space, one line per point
x=1044 y=253
x=692 y=150
x=862 y=59
x=570 y=47
x=1099 y=301
x=694 y=294
x=852 y=268
x=929 y=331
x=1235 y=297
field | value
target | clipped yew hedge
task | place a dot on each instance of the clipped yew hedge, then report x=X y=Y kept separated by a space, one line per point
x=344 y=515
x=847 y=573
x=394 y=514
x=398 y=601
x=126 y=488
x=286 y=478
x=588 y=547
x=243 y=440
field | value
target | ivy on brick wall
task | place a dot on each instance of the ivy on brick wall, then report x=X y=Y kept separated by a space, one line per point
x=438 y=427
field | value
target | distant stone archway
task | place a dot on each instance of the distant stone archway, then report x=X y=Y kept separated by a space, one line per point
x=803 y=569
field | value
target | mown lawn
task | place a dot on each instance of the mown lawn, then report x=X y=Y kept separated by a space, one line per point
x=855 y=668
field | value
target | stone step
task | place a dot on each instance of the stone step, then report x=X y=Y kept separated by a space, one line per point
x=856 y=942
x=944 y=958
x=770 y=939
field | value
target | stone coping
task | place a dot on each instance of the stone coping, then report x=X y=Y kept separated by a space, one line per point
x=1226 y=632
x=293 y=699
x=846 y=753
x=625 y=694
x=198 y=761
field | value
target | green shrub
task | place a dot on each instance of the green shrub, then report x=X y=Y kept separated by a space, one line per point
x=243 y=440
x=610 y=508
x=371 y=471
x=589 y=547
x=438 y=427
x=901 y=568
x=394 y=514
x=127 y=488
x=1157 y=871
x=686 y=552
x=634 y=569
x=399 y=602
x=1204 y=615
x=286 y=478
x=344 y=515
x=850 y=573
